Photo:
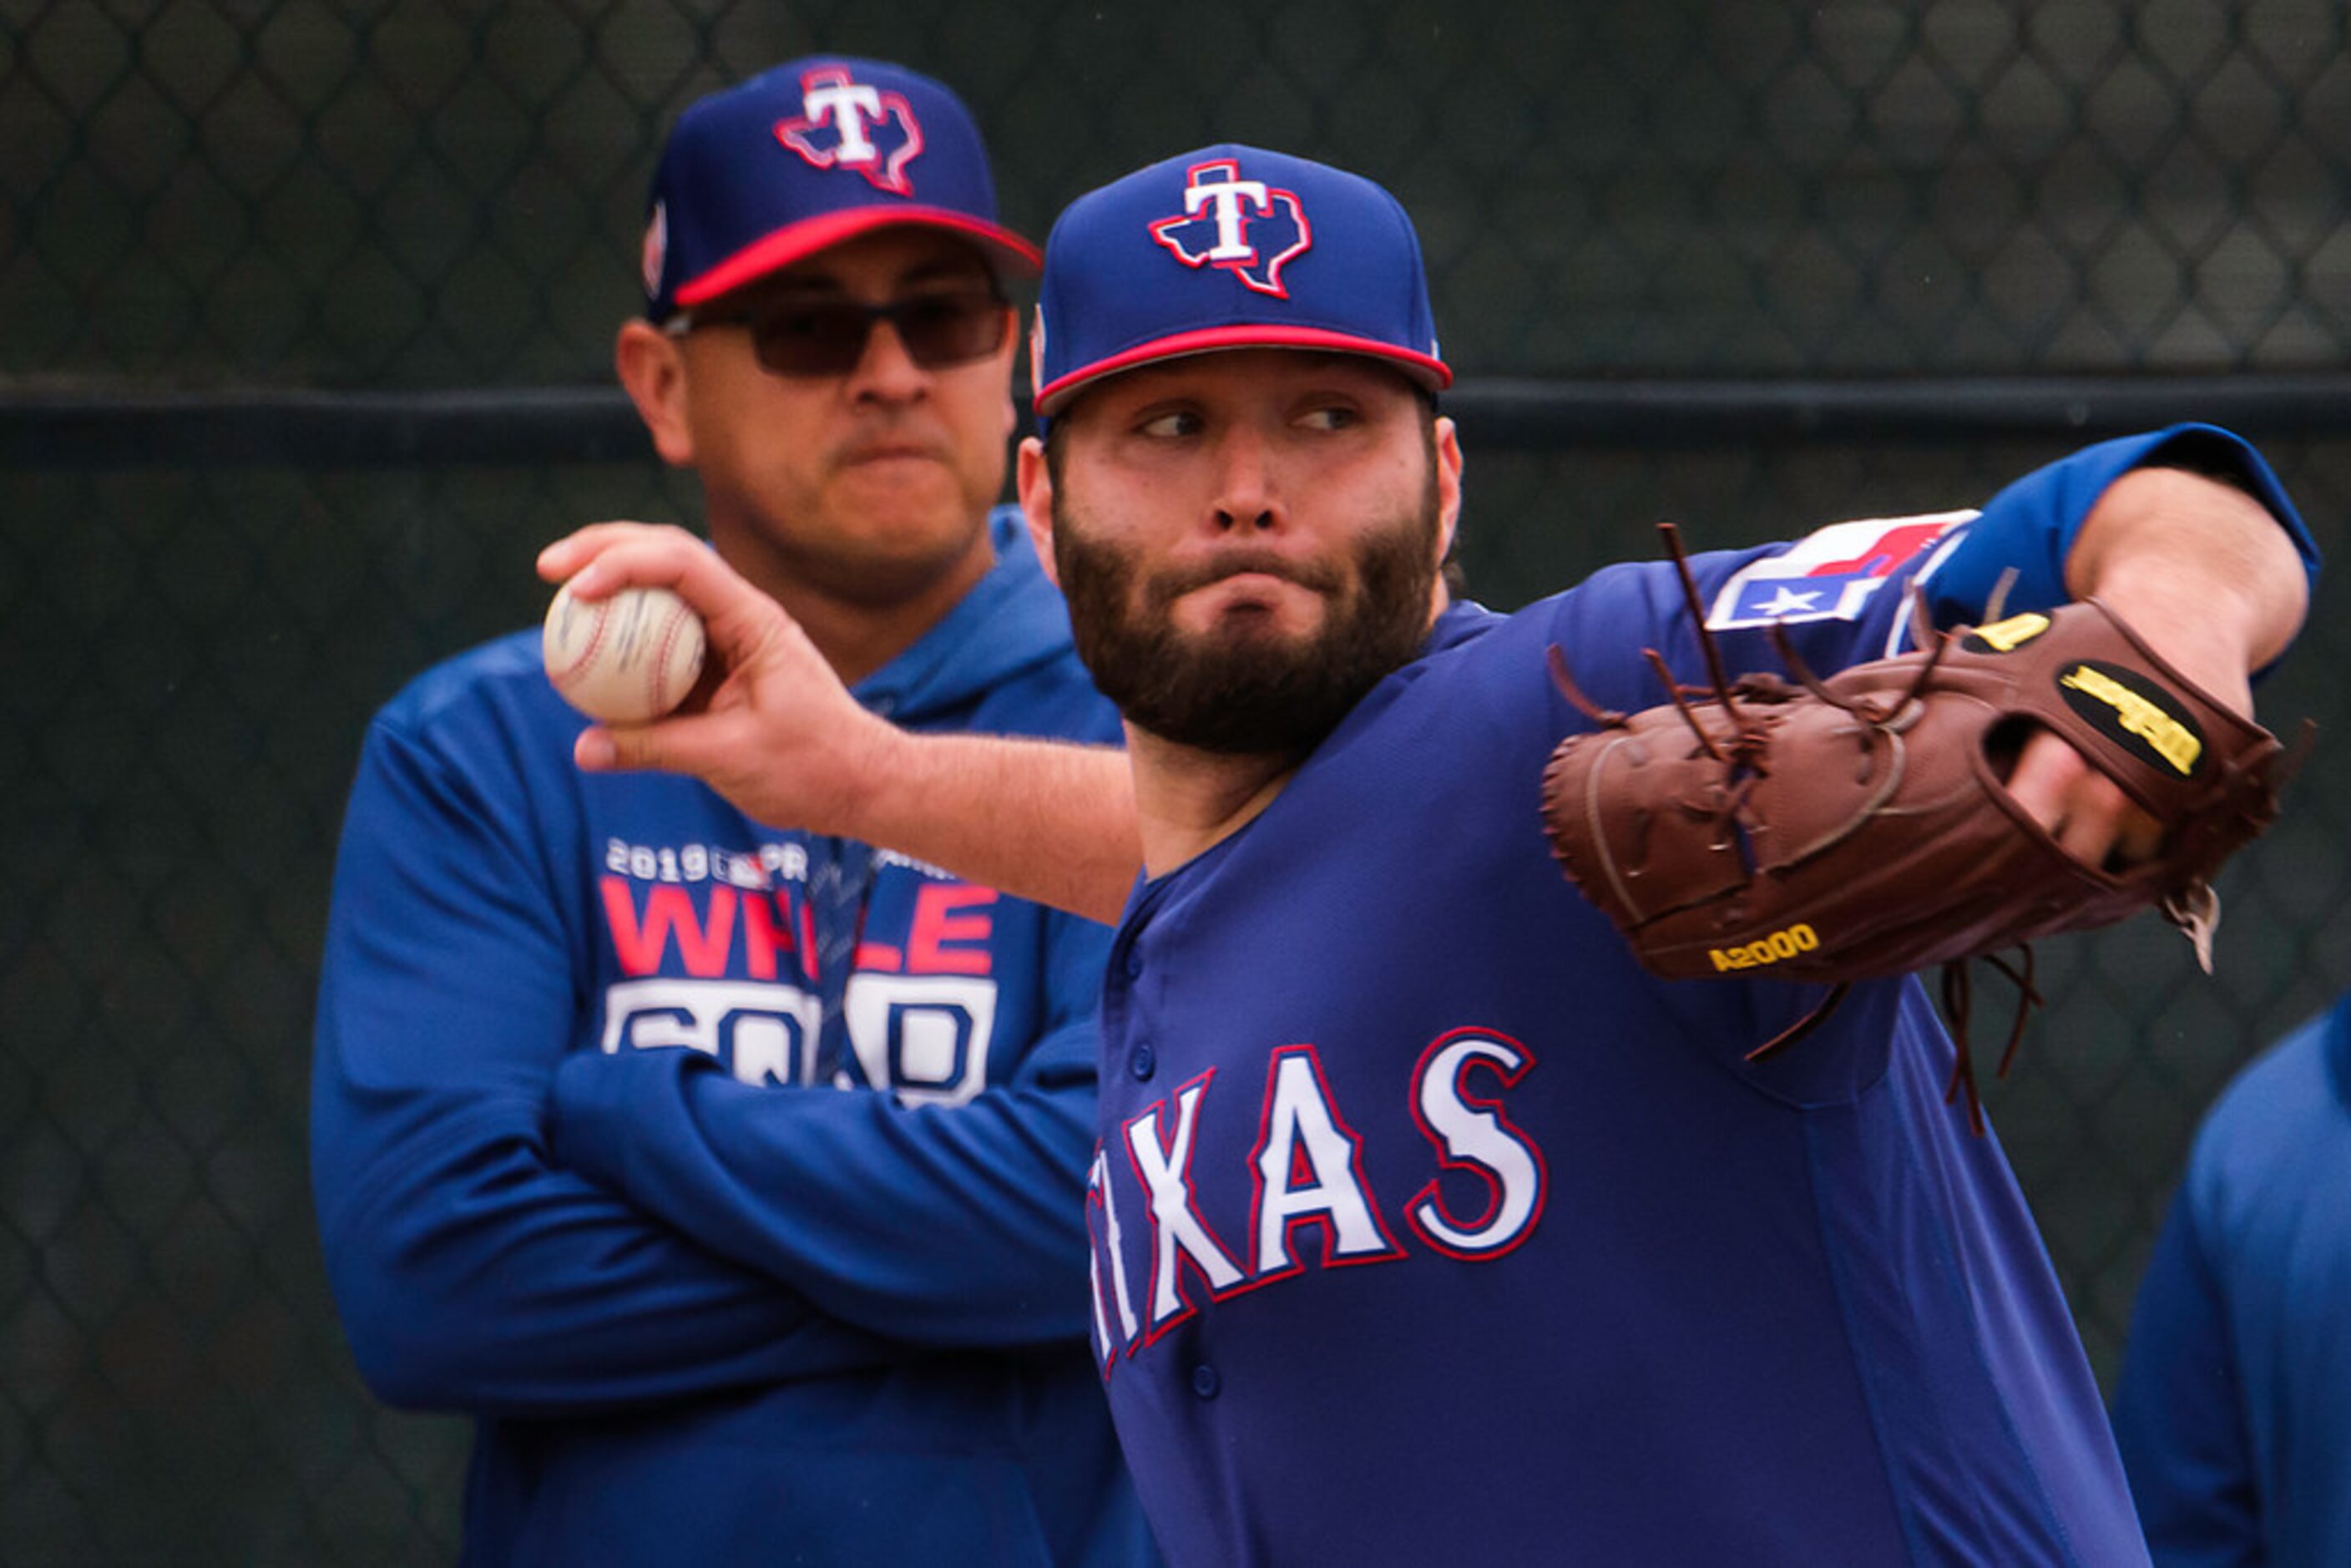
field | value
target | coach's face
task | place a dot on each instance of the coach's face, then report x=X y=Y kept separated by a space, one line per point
x=1249 y=540
x=869 y=482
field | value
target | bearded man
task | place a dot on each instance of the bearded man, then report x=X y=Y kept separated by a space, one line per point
x=1427 y=1226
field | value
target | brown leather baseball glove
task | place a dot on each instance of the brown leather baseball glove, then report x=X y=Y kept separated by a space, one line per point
x=1858 y=827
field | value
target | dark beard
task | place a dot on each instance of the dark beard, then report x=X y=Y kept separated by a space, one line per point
x=1244 y=695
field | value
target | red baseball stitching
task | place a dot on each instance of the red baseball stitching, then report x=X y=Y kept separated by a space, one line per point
x=659 y=683
x=602 y=610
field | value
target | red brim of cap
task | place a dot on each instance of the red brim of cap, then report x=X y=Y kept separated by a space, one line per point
x=1425 y=369
x=1006 y=250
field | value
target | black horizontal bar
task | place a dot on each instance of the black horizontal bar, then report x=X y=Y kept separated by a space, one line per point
x=270 y=427
x=1508 y=414
x=101 y=428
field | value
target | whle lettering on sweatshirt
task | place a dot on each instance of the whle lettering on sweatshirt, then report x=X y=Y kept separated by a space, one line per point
x=717 y=950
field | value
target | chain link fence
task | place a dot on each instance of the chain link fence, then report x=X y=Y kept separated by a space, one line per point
x=211 y=211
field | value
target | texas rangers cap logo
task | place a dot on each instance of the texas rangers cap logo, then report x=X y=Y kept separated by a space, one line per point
x=1245 y=226
x=847 y=124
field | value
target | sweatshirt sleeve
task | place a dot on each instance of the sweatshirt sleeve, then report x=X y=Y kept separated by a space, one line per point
x=2176 y=1411
x=471 y=1271
x=943 y=1225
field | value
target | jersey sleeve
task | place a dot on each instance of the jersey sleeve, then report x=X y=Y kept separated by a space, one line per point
x=2029 y=527
x=2178 y=1415
x=946 y=1225
x=471 y=1271
x=1843 y=594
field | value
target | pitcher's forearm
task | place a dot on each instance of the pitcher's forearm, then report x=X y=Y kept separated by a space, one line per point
x=2185 y=557
x=1050 y=822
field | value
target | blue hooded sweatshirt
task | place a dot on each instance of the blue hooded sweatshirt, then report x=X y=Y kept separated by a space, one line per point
x=580 y=1173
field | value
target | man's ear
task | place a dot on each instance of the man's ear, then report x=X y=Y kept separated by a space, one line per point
x=653 y=371
x=1034 y=479
x=1448 y=486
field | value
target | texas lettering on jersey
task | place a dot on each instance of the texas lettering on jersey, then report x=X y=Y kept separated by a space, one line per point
x=1310 y=1203
x=717 y=952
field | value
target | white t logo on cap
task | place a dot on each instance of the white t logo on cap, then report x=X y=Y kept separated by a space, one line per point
x=848 y=105
x=1227 y=196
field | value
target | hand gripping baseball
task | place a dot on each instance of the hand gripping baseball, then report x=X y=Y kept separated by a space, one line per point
x=769 y=725
x=1859 y=826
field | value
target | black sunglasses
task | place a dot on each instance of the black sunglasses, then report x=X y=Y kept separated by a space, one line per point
x=827 y=338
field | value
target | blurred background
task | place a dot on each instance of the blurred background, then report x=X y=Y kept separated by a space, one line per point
x=304 y=352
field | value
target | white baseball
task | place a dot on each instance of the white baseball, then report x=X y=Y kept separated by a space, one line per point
x=626 y=658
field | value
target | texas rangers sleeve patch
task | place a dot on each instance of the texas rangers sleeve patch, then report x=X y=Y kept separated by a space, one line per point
x=1830 y=575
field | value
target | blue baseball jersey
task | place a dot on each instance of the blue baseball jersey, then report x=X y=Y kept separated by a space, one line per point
x=581 y=1172
x=1429 y=1228
x=2232 y=1412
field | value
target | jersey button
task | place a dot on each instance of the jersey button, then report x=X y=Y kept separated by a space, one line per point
x=1205 y=1381
x=1142 y=1061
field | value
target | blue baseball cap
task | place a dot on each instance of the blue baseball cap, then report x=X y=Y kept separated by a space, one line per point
x=1230 y=247
x=807 y=155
